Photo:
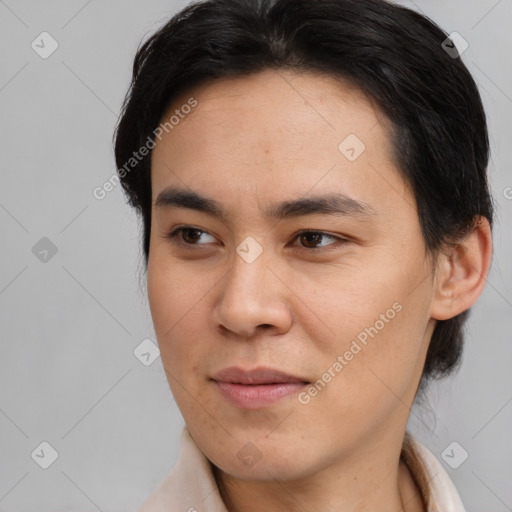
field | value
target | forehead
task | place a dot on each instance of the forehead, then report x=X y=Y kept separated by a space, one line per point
x=291 y=102
x=277 y=133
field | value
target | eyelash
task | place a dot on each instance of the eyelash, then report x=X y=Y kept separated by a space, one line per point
x=173 y=236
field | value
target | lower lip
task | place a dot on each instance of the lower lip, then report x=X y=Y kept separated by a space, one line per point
x=251 y=396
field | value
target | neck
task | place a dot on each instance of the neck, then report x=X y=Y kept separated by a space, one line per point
x=367 y=479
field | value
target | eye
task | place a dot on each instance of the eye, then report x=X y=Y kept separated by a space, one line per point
x=187 y=235
x=311 y=239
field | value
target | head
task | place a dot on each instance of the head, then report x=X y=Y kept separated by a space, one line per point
x=314 y=199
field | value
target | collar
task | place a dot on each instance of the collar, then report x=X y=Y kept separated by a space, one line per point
x=191 y=485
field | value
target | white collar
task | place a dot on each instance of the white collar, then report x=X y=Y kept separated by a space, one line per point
x=191 y=485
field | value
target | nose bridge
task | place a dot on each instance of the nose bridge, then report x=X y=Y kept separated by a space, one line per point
x=251 y=295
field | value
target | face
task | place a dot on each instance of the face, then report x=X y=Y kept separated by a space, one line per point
x=292 y=308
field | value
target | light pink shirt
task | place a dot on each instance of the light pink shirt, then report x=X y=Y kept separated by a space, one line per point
x=191 y=486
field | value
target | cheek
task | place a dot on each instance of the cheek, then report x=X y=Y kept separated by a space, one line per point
x=177 y=302
x=168 y=302
x=173 y=292
x=381 y=349
x=376 y=319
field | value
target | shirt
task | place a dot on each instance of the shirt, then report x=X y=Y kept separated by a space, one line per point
x=191 y=485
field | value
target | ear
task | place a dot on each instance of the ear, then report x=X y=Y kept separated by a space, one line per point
x=461 y=272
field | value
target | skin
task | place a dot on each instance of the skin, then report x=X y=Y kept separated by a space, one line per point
x=251 y=142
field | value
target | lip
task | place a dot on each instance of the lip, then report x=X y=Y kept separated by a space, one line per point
x=256 y=388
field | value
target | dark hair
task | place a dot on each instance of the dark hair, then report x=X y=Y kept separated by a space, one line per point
x=396 y=56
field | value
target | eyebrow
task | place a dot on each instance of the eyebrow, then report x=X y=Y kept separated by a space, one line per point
x=327 y=204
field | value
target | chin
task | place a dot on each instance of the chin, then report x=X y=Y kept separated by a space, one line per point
x=266 y=469
x=262 y=459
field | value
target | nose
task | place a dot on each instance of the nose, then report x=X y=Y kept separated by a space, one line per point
x=252 y=300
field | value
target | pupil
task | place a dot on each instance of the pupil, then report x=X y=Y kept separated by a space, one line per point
x=315 y=236
x=188 y=231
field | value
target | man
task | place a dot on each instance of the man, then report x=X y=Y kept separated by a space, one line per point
x=317 y=224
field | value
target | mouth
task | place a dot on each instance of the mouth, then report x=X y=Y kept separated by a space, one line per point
x=256 y=388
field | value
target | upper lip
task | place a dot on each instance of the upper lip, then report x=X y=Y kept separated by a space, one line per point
x=260 y=375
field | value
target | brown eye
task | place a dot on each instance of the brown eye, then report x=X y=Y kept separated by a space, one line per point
x=312 y=239
x=188 y=236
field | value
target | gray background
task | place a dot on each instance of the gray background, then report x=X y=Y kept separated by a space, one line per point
x=69 y=325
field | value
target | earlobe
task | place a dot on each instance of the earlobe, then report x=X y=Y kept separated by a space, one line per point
x=461 y=272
